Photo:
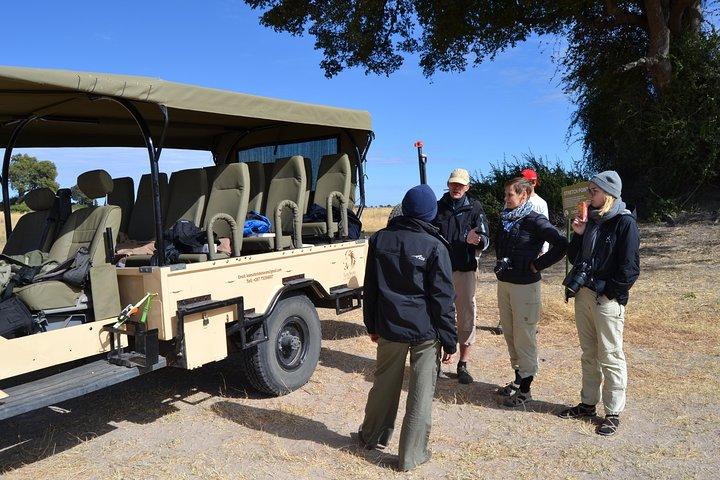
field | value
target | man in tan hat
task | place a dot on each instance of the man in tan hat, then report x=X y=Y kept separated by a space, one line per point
x=462 y=222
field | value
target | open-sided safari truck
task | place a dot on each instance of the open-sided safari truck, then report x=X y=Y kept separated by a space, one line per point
x=259 y=297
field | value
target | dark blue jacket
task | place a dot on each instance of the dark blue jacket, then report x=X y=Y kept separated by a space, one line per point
x=408 y=292
x=454 y=224
x=615 y=264
x=522 y=245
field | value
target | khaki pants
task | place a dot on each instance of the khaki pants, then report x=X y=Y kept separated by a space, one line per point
x=384 y=397
x=520 y=307
x=465 y=306
x=600 y=324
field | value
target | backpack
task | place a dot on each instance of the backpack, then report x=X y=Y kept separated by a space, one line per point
x=15 y=318
x=73 y=271
x=183 y=237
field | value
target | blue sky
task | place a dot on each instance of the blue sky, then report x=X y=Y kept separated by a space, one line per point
x=502 y=109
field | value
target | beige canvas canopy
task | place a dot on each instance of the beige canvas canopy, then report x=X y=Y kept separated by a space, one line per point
x=63 y=108
x=75 y=111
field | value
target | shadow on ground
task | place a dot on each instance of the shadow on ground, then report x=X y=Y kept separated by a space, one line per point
x=42 y=433
x=298 y=428
x=337 y=330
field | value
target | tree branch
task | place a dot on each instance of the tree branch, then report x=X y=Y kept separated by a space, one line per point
x=615 y=16
x=642 y=62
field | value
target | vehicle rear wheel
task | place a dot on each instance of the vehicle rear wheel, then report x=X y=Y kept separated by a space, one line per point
x=288 y=359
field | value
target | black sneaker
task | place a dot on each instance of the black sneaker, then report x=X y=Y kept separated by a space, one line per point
x=464 y=376
x=578 y=411
x=609 y=426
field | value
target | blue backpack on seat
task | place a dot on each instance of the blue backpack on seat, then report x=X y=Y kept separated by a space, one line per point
x=256 y=223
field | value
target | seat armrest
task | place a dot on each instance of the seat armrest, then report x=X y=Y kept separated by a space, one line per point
x=343 y=214
x=297 y=224
x=235 y=239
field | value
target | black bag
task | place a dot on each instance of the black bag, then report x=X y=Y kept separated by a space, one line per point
x=22 y=277
x=187 y=237
x=316 y=213
x=183 y=237
x=73 y=271
x=15 y=318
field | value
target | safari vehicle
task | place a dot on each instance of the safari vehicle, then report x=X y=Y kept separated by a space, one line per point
x=259 y=301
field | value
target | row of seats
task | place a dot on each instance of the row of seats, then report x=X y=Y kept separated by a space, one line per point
x=201 y=194
x=233 y=190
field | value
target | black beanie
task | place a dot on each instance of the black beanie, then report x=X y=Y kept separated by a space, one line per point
x=420 y=202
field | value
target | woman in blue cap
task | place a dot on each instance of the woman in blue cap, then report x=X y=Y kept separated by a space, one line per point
x=408 y=309
x=605 y=255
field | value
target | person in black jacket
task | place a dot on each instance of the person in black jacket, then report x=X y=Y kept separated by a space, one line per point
x=408 y=308
x=605 y=253
x=462 y=222
x=519 y=240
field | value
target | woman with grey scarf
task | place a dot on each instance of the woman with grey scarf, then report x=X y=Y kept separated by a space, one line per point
x=518 y=243
x=604 y=251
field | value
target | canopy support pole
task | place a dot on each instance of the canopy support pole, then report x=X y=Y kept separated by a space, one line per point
x=154 y=156
x=6 y=170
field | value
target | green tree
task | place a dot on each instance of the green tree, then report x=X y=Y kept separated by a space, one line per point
x=666 y=146
x=447 y=34
x=643 y=73
x=27 y=173
x=490 y=188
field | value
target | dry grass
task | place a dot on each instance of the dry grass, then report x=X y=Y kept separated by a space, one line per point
x=373 y=219
x=204 y=424
x=14 y=217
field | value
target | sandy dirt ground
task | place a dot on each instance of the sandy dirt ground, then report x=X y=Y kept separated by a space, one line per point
x=206 y=424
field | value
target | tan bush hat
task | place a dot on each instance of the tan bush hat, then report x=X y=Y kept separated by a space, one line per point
x=459 y=175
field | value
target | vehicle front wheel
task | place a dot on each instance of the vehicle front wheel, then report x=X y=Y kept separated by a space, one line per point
x=288 y=359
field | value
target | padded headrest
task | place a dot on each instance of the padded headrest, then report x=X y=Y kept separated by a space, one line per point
x=95 y=183
x=40 y=199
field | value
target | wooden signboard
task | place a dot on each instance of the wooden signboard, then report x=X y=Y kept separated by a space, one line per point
x=571 y=196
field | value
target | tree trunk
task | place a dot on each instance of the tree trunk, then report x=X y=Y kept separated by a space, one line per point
x=658 y=13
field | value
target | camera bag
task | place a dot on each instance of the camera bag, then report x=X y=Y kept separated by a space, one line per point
x=15 y=318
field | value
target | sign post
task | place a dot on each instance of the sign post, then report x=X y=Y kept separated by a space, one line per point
x=572 y=195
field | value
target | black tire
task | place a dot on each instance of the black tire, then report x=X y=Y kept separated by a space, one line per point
x=288 y=359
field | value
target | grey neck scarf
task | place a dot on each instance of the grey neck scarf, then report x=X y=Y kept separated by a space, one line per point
x=594 y=222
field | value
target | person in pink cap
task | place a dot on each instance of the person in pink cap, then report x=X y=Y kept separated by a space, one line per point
x=537 y=203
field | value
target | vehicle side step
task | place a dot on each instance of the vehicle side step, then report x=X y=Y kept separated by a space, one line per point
x=346 y=299
x=69 y=384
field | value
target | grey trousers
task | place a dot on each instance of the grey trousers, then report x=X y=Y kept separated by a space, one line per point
x=384 y=397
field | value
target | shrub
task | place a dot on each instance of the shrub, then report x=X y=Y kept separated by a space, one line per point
x=490 y=189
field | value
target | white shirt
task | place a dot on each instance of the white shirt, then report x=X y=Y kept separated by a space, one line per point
x=540 y=206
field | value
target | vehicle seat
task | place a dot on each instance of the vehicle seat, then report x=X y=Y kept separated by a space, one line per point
x=123 y=195
x=187 y=195
x=331 y=190
x=29 y=232
x=228 y=199
x=257 y=186
x=285 y=206
x=85 y=227
x=268 y=169
x=142 y=220
x=308 y=183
